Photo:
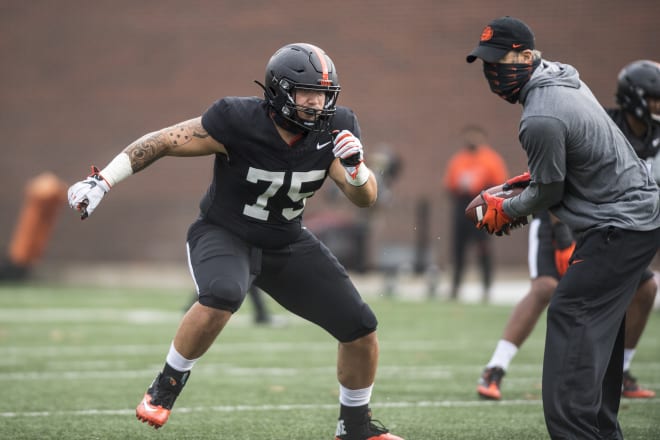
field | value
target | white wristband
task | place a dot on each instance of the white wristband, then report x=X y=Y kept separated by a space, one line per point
x=118 y=169
x=361 y=177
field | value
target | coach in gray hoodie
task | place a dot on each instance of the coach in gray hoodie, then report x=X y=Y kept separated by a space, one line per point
x=581 y=168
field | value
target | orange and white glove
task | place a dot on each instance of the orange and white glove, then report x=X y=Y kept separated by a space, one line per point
x=495 y=219
x=520 y=181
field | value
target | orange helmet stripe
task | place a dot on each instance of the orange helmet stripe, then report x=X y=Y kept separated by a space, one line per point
x=325 y=81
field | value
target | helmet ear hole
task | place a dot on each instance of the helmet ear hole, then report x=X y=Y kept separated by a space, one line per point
x=304 y=66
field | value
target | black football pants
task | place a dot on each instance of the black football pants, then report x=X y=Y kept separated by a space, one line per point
x=304 y=277
x=583 y=361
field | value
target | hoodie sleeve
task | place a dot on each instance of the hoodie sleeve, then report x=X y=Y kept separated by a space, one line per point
x=544 y=140
x=536 y=197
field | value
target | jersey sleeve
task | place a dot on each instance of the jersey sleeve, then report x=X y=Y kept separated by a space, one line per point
x=214 y=120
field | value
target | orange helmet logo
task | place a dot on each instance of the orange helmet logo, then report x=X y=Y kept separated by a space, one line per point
x=487 y=34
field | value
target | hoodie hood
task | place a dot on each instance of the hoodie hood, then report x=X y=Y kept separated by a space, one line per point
x=551 y=73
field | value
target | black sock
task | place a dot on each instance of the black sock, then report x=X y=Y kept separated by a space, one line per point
x=179 y=376
x=353 y=413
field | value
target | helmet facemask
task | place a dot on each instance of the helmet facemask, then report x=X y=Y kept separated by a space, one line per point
x=301 y=67
x=289 y=109
x=638 y=82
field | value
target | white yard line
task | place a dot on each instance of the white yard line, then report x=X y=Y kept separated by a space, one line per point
x=294 y=407
x=529 y=372
x=77 y=315
x=425 y=372
x=224 y=346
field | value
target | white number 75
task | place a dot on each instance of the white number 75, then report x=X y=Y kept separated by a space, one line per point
x=276 y=178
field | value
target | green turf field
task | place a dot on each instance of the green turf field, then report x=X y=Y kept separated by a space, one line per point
x=74 y=363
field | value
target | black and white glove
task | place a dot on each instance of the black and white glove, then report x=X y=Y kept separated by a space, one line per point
x=349 y=150
x=86 y=195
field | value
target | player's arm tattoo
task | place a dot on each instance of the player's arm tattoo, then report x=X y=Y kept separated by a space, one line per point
x=152 y=146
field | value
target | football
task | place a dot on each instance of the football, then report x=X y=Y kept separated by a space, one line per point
x=476 y=209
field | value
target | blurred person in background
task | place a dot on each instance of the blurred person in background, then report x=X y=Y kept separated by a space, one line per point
x=551 y=242
x=262 y=315
x=348 y=232
x=270 y=155
x=585 y=172
x=471 y=169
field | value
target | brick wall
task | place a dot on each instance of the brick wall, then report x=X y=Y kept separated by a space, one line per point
x=82 y=79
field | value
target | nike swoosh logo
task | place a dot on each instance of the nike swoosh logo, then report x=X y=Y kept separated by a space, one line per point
x=147 y=407
x=516 y=46
x=319 y=146
x=91 y=184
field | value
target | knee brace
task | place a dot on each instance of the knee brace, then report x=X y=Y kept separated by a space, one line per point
x=222 y=293
x=364 y=324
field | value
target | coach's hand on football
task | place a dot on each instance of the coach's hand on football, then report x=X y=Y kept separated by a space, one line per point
x=349 y=150
x=86 y=195
x=495 y=219
x=520 y=181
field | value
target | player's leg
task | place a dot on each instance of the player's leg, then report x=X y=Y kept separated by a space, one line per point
x=520 y=325
x=637 y=315
x=460 y=241
x=485 y=257
x=526 y=313
x=583 y=360
x=222 y=267
x=308 y=280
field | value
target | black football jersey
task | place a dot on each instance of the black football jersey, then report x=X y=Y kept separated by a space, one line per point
x=260 y=187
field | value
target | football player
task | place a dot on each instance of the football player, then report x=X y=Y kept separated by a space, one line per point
x=271 y=155
x=551 y=242
x=584 y=171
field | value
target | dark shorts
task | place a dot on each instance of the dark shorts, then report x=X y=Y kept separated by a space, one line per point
x=541 y=252
x=304 y=277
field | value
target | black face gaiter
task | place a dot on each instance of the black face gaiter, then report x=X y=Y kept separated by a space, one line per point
x=506 y=80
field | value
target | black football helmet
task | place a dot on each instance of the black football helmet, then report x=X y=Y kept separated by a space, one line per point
x=301 y=66
x=637 y=82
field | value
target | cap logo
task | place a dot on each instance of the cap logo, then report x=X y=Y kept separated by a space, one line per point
x=487 y=34
x=516 y=45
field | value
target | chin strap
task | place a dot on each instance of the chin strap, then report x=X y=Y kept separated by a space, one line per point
x=286 y=124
